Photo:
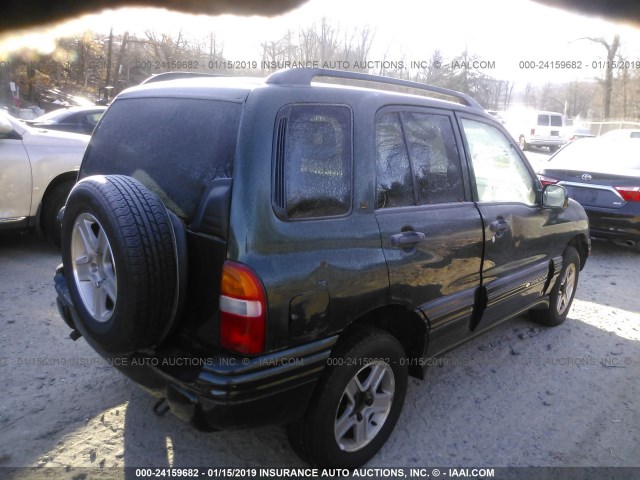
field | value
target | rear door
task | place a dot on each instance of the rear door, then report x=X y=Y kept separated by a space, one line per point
x=542 y=126
x=516 y=228
x=431 y=231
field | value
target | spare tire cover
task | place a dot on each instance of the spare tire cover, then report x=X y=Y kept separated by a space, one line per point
x=121 y=263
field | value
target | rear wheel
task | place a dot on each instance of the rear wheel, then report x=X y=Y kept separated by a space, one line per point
x=357 y=404
x=563 y=291
x=553 y=148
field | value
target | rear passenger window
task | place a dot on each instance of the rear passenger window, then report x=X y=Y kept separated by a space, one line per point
x=395 y=180
x=417 y=160
x=556 y=121
x=313 y=161
x=434 y=154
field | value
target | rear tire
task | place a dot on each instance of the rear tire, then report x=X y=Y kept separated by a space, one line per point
x=120 y=262
x=563 y=292
x=357 y=402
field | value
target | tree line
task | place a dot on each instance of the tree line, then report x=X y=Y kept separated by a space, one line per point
x=98 y=66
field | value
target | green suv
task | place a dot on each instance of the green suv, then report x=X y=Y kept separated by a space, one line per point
x=288 y=251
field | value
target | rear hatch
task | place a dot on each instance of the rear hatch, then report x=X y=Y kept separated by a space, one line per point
x=183 y=149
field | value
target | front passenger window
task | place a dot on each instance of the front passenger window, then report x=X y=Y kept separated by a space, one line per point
x=500 y=173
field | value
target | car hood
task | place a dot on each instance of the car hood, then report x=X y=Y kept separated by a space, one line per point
x=38 y=137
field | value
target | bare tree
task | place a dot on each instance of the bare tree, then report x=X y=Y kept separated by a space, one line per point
x=612 y=49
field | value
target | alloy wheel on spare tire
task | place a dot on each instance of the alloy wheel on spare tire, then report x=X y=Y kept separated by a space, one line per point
x=121 y=263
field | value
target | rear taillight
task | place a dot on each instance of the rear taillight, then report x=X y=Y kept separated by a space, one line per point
x=630 y=194
x=243 y=309
x=547 y=180
x=533 y=131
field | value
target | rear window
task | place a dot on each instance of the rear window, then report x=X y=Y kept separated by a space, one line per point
x=556 y=121
x=543 y=120
x=174 y=146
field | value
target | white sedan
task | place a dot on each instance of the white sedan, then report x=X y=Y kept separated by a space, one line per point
x=37 y=170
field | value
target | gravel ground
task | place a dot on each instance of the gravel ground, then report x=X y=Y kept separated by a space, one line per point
x=519 y=395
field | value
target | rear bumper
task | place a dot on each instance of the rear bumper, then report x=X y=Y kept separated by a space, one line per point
x=221 y=391
x=604 y=223
x=546 y=141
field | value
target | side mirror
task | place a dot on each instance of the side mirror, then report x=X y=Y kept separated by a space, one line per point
x=5 y=126
x=555 y=196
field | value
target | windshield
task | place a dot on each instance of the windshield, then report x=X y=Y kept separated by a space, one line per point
x=599 y=155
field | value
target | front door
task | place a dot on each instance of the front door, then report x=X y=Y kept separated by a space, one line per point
x=516 y=259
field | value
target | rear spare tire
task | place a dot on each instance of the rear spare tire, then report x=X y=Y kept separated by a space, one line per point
x=121 y=263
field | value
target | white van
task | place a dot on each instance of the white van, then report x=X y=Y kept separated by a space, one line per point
x=536 y=127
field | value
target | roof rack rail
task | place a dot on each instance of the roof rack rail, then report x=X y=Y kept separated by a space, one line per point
x=304 y=76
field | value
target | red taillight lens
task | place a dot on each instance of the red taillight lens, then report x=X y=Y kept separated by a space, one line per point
x=533 y=131
x=242 y=309
x=630 y=194
x=547 y=180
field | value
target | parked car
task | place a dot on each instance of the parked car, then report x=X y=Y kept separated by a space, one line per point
x=573 y=133
x=280 y=251
x=536 y=128
x=622 y=133
x=38 y=169
x=605 y=179
x=164 y=76
x=72 y=119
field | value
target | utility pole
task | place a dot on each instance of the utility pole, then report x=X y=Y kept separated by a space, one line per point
x=109 y=55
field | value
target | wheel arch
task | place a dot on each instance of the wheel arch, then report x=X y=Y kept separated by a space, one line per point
x=408 y=327
x=582 y=244
x=63 y=177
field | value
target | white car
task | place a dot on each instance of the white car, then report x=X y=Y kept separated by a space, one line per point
x=37 y=170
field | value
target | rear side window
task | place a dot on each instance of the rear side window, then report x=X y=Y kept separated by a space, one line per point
x=174 y=146
x=417 y=160
x=313 y=161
